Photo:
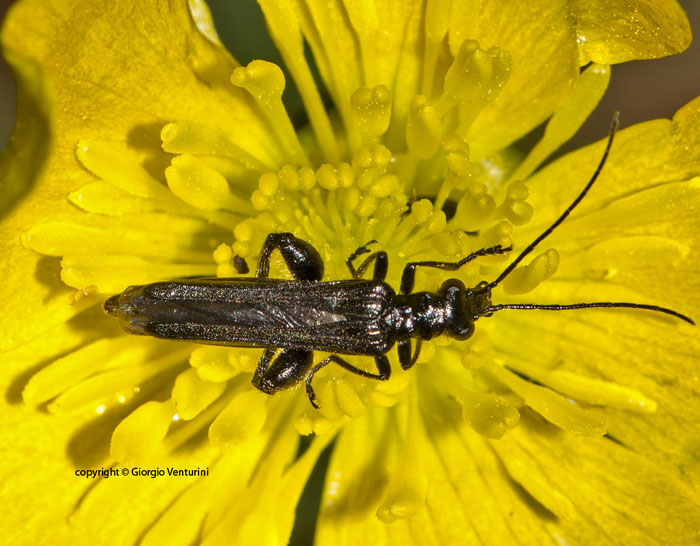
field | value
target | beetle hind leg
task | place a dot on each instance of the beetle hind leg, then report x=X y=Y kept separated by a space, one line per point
x=289 y=368
x=383 y=367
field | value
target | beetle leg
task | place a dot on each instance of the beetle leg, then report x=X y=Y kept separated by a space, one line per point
x=288 y=369
x=380 y=259
x=302 y=259
x=404 y=349
x=408 y=278
x=381 y=266
x=360 y=250
x=383 y=367
x=263 y=364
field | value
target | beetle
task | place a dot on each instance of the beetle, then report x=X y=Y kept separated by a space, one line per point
x=290 y=319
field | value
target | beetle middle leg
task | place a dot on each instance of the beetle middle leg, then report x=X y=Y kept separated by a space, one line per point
x=408 y=277
x=302 y=259
x=383 y=367
x=380 y=259
x=404 y=349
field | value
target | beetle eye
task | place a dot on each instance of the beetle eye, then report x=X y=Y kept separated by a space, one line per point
x=451 y=284
x=463 y=333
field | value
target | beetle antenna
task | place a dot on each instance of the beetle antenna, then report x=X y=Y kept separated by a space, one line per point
x=493 y=308
x=565 y=214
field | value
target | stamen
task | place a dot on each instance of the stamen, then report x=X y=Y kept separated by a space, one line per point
x=585 y=389
x=499 y=234
x=314 y=423
x=332 y=178
x=552 y=406
x=523 y=279
x=437 y=16
x=365 y=21
x=477 y=349
x=250 y=234
x=223 y=256
x=514 y=207
x=189 y=137
x=370 y=110
x=265 y=82
x=374 y=159
x=459 y=169
x=202 y=187
x=326 y=398
x=348 y=399
x=475 y=78
x=423 y=128
x=474 y=208
x=487 y=413
x=424 y=215
x=385 y=394
x=81 y=294
x=283 y=23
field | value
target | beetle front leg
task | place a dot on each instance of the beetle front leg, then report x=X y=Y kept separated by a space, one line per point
x=383 y=367
x=302 y=259
x=404 y=349
x=408 y=278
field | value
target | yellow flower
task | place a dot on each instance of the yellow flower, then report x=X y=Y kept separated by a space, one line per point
x=143 y=152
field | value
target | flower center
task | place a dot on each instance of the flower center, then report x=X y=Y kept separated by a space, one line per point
x=398 y=170
x=376 y=195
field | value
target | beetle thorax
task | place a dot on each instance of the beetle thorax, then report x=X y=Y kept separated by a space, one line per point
x=421 y=314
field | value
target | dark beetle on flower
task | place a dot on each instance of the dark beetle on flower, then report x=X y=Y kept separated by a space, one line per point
x=292 y=318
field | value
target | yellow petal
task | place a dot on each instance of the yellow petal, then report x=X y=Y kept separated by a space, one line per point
x=544 y=71
x=77 y=365
x=602 y=481
x=568 y=118
x=640 y=29
x=137 y=439
x=129 y=112
x=242 y=419
x=191 y=394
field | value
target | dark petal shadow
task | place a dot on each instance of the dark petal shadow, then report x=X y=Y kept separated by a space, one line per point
x=145 y=138
x=25 y=156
